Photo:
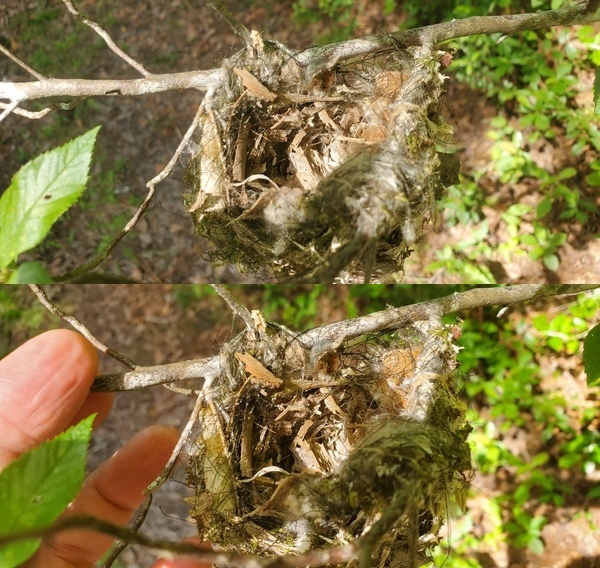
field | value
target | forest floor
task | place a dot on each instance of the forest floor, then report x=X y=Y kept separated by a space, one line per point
x=139 y=135
x=154 y=324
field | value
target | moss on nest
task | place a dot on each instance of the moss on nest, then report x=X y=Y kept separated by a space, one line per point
x=319 y=175
x=294 y=455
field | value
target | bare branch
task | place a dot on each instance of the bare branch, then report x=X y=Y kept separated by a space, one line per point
x=238 y=27
x=201 y=80
x=8 y=109
x=142 y=377
x=42 y=113
x=329 y=337
x=104 y=35
x=321 y=557
x=74 y=322
x=22 y=63
x=151 y=185
x=236 y=306
x=327 y=56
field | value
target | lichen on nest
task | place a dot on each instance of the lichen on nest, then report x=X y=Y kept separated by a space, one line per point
x=366 y=443
x=323 y=174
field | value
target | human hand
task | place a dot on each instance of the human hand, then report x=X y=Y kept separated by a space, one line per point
x=44 y=388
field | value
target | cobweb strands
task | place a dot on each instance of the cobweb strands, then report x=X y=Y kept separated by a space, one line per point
x=319 y=174
x=365 y=446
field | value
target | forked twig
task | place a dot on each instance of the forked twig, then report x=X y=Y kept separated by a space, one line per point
x=74 y=322
x=45 y=111
x=151 y=185
x=328 y=337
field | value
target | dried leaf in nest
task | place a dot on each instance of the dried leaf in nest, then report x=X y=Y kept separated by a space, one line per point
x=366 y=445
x=321 y=177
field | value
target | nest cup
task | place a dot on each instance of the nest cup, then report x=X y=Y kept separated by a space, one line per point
x=299 y=452
x=319 y=174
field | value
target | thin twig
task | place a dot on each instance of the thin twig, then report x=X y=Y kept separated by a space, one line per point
x=335 y=555
x=75 y=323
x=22 y=63
x=8 y=109
x=318 y=58
x=151 y=185
x=236 y=306
x=106 y=37
x=142 y=512
x=201 y=80
x=42 y=113
x=238 y=27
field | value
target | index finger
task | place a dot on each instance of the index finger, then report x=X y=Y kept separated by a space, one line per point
x=43 y=385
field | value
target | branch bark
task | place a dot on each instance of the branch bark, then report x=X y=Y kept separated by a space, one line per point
x=201 y=80
x=327 y=56
x=328 y=337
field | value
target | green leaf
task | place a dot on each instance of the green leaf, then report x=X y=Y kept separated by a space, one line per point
x=597 y=92
x=544 y=207
x=593 y=178
x=40 y=192
x=591 y=356
x=551 y=262
x=567 y=173
x=30 y=273
x=36 y=488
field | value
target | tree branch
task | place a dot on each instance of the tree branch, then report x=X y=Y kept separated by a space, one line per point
x=328 y=337
x=327 y=56
x=109 y=41
x=201 y=80
x=74 y=322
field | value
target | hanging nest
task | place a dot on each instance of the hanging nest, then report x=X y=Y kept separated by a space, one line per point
x=306 y=447
x=318 y=175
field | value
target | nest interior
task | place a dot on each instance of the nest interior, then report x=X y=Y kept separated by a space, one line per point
x=367 y=442
x=319 y=174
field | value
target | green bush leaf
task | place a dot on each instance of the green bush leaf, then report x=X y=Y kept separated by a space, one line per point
x=551 y=262
x=36 y=488
x=597 y=92
x=40 y=192
x=591 y=356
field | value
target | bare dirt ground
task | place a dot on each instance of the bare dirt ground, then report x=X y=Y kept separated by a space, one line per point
x=139 y=135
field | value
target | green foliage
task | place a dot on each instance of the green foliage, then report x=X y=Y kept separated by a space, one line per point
x=591 y=356
x=597 y=92
x=340 y=13
x=39 y=193
x=536 y=78
x=36 y=488
x=297 y=308
x=504 y=365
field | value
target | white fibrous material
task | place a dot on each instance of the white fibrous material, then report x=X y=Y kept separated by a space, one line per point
x=322 y=175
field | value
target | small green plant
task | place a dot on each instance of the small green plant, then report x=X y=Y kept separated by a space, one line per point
x=39 y=193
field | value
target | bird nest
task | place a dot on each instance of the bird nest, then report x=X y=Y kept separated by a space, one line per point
x=319 y=174
x=335 y=453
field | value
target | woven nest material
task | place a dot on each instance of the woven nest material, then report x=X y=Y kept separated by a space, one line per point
x=366 y=441
x=319 y=175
